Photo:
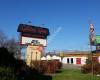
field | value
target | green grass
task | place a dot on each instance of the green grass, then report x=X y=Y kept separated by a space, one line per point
x=72 y=74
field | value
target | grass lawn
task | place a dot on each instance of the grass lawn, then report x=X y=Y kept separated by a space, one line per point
x=72 y=74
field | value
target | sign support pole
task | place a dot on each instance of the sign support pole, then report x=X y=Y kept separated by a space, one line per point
x=91 y=61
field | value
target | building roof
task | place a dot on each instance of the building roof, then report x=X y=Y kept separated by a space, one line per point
x=80 y=54
x=76 y=55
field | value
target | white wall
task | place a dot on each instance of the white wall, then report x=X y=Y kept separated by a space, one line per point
x=83 y=60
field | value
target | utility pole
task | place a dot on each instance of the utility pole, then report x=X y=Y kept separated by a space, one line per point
x=92 y=43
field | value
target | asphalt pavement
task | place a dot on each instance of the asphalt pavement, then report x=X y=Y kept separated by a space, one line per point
x=71 y=66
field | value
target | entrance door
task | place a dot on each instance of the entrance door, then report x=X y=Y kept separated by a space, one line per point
x=71 y=60
x=67 y=60
x=78 y=60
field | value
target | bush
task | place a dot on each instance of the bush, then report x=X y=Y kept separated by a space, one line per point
x=91 y=65
x=86 y=68
x=7 y=74
x=96 y=68
x=14 y=69
x=47 y=67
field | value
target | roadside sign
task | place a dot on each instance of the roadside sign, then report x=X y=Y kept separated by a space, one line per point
x=97 y=39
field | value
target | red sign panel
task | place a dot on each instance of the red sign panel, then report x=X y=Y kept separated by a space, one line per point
x=33 y=35
x=23 y=28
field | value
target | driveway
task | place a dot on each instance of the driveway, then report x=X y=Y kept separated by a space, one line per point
x=72 y=66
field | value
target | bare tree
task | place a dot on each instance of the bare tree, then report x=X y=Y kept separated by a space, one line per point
x=3 y=39
x=13 y=47
x=11 y=44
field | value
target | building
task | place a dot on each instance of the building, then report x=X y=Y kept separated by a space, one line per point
x=78 y=57
x=74 y=58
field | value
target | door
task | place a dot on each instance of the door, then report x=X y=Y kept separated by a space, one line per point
x=78 y=60
x=71 y=60
x=67 y=60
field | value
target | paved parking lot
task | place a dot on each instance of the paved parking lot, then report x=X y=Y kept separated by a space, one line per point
x=71 y=66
